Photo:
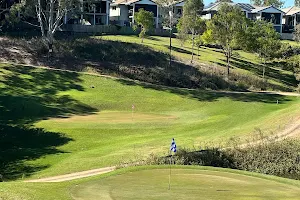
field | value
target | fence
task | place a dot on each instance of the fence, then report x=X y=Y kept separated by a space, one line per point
x=287 y=36
x=109 y=29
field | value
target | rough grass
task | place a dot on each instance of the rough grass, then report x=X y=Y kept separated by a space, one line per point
x=33 y=99
x=244 y=65
x=186 y=183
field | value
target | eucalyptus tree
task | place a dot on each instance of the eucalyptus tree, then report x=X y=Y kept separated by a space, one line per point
x=49 y=14
x=226 y=29
x=191 y=20
x=261 y=38
x=169 y=19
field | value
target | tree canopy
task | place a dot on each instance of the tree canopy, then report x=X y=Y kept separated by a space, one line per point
x=226 y=28
x=144 y=19
x=262 y=39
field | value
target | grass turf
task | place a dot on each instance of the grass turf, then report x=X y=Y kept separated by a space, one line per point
x=91 y=188
x=242 y=62
x=186 y=183
x=62 y=122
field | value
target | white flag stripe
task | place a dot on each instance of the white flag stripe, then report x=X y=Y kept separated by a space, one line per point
x=173 y=146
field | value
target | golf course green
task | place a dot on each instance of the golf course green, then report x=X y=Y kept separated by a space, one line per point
x=186 y=183
x=66 y=122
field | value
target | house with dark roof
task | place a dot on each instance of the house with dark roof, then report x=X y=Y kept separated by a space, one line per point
x=291 y=18
x=92 y=12
x=268 y=13
x=122 y=11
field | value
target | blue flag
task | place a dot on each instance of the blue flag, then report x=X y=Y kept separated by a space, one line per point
x=173 y=146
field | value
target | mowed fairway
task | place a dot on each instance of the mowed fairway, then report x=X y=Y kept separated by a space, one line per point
x=186 y=183
x=87 y=121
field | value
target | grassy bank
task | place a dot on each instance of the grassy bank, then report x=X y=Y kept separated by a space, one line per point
x=125 y=56
x=62 y=122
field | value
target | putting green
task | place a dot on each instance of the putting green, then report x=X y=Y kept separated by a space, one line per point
x=185 y=184
x=116 y=117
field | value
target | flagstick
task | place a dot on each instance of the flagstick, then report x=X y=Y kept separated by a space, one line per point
x=132 y=111
x=170 y=171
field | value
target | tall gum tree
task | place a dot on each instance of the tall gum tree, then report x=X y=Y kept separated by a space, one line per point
x=226 y=29
x=191 y=21
x=261 y=38
x=49 y=14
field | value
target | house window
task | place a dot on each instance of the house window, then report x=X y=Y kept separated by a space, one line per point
x=272 y=17
x=114 y=7
x=179 y=11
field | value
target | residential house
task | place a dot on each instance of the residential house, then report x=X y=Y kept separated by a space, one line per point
x=93 y=12
x=122 y=11
x=291 y=19
x=178 y=8
x=268 y=13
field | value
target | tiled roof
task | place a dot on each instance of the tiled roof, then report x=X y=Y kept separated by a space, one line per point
x=292 y=10
x=246 y=6
x=126 y=2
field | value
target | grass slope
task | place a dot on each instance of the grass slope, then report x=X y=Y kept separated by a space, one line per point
x=242 y=63
x=62 y=122
x=186 y=183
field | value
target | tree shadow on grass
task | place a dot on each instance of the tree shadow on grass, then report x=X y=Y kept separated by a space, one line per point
x=210 y=96
x=19 y=144
x=28 y=95
x=271 y=72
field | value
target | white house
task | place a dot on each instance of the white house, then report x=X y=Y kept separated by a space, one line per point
x=122 y=11
x=268 y=13
x=93 y=12
x=291 y=18
x=178 y=8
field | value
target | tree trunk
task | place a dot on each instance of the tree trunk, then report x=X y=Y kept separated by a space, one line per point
x=228 y=65
x=264 y=69
x=193 y=43
x=170 y=64
x=50 y=42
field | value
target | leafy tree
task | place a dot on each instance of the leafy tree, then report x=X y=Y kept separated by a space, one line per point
x=226 y=28
x=297 y=33
x=168 y=18
x=182 y=32
x=276 y=3
x=294 y=62
x=262 y=39
x=191 y=20
x=49 y=14
x=144 y=19
x=297 y=3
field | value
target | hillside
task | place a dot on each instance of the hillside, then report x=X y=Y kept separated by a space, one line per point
x=125 y=56
x=62 y=122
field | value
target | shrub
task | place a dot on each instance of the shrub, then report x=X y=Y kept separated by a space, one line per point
x=280 y=158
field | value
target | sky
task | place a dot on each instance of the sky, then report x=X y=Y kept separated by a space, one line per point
x=288 y=3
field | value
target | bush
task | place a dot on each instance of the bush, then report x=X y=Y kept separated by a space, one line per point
x=279 y=158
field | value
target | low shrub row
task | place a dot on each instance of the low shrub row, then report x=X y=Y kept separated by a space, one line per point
x=279 y=158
